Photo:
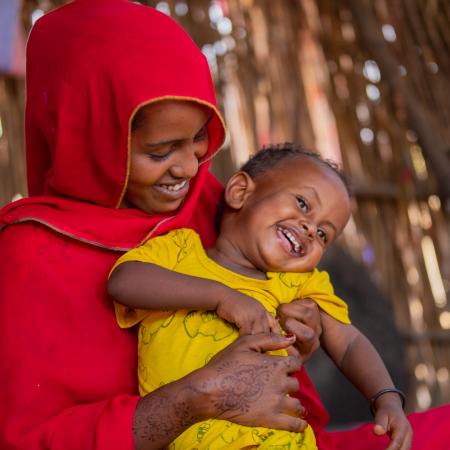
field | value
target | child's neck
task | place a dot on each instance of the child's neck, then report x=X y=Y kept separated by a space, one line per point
x=227 y=254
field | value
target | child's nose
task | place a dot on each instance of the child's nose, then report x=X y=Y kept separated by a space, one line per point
x=309 y=229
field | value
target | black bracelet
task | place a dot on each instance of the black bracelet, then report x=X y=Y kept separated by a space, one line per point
x=385 y=391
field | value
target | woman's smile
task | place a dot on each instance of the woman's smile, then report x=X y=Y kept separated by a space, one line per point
x=173 y=190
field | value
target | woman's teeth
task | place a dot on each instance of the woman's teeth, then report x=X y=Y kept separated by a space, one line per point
x=174 y=187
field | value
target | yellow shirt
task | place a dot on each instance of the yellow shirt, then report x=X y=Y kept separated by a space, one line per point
x=174 y=343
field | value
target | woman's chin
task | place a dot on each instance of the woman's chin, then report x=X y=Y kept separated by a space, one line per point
x=163 y=207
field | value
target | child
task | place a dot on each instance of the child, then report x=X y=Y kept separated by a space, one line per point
x=282 y=210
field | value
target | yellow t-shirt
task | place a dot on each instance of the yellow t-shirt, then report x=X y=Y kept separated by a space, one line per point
x=174 y=343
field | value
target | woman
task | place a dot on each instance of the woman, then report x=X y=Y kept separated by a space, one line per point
x=70 y=378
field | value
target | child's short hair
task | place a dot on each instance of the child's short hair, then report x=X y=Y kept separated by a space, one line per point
x=269 y=156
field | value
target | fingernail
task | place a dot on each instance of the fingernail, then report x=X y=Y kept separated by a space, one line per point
x=290 y=336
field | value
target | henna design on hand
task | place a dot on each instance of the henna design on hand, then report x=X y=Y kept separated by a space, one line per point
x=161 y=416
x=230 y=390
x=241 y=387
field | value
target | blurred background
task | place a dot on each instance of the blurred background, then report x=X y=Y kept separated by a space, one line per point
x=367 y=84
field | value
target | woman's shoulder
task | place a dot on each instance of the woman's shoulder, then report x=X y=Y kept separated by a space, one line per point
x=39 y=248
x=30 y=238
x=27 y=233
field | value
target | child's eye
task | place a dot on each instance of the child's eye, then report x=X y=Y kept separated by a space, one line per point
x=322 y=235
x=302 y=204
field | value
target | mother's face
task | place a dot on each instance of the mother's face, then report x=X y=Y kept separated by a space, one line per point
x=167 y=141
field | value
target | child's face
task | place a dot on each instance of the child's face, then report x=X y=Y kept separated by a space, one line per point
x=294 y=213
x=166 y=145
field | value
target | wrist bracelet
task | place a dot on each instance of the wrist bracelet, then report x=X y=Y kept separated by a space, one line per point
x=385 y=391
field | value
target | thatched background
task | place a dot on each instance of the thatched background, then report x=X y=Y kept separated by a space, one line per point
x=366 y=83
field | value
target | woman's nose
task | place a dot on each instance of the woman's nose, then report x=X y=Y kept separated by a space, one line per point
x=186 y=164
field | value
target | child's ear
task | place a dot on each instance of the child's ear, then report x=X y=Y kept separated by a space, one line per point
x=238 y=189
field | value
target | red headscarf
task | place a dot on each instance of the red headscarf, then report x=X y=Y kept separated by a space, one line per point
x=107 y=59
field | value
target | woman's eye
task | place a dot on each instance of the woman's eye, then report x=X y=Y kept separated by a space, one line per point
x=322 y=235
x=201 y=135
x=159 y=156
x=302 y=204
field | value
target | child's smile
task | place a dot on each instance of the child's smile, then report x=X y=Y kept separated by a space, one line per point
x=292 y=240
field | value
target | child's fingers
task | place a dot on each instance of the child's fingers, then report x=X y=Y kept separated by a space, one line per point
x=264 y=323
x=379 y=430
x=274 y=326
x=381 y=424
x=398 y=442
x=254 y=327
x=401 y=436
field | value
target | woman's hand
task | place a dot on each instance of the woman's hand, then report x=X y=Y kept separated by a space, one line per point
x=241 y=384
x=302 y=318
x=249 y=387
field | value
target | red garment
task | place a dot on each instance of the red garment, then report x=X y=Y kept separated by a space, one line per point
x=431 y=432
x=68 y=380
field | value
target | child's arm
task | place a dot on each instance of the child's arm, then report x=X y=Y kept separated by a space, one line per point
x=148 y=286
x=356 y=357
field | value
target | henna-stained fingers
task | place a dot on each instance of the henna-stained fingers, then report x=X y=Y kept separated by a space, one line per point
x=293 y=407
x=292 y=385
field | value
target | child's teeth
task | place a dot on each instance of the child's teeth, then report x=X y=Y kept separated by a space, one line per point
x=292 y=239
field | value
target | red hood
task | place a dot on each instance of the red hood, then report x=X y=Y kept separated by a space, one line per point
x=90 y=65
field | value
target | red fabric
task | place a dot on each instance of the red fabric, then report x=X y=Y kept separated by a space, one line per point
x=68 y=380
x=431 y=432
x=68 y=372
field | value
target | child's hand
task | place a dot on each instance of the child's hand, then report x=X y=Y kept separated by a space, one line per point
x=249 y=316
x=390 y=418
x=302 y=318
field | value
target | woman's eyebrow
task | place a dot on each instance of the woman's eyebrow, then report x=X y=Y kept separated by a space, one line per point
x=160 y=143
x=177 y=141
